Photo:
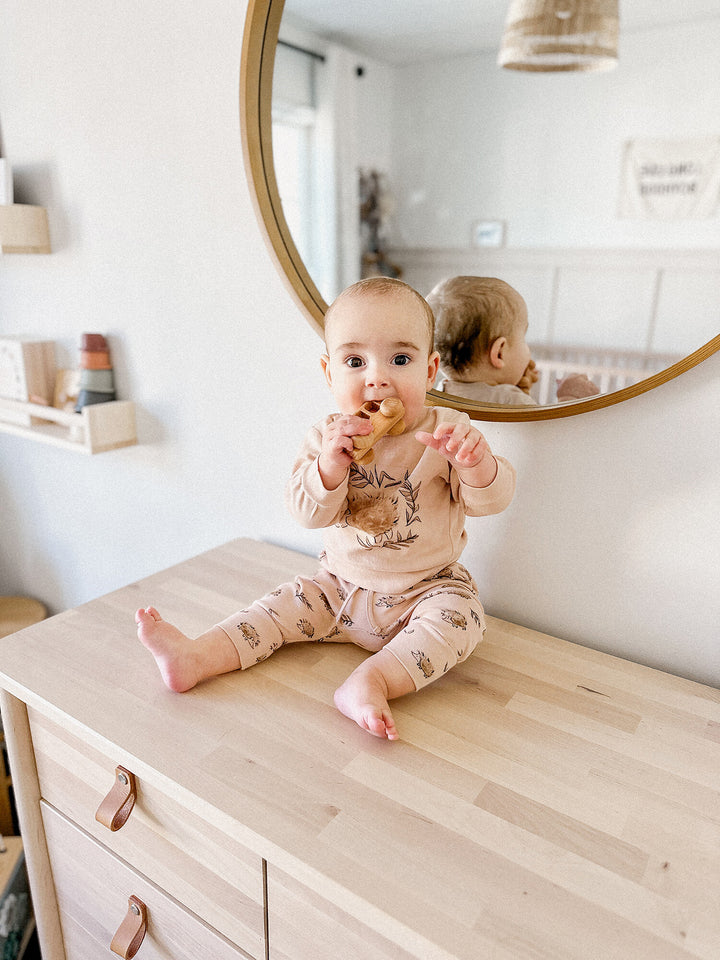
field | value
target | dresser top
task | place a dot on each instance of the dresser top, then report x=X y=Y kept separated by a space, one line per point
x=545 y=800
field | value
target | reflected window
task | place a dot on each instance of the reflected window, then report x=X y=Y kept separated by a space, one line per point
x=302 y=154
x=292 y=150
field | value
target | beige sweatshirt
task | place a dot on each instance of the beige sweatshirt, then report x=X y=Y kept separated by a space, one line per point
x=487 y=392
x=399 y=520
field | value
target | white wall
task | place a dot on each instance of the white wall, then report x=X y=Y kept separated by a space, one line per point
x=543 y=152
x=124 y=122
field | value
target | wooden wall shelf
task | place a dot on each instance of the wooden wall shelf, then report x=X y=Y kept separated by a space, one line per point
x=24 y=228
x=99 y=427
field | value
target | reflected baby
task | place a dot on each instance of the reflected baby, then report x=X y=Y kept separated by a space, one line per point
x=481 y=329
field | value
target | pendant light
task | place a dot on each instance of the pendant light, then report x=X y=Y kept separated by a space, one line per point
x=553 y=35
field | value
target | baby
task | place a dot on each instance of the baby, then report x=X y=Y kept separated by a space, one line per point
x=482 y=323
x=389 y=580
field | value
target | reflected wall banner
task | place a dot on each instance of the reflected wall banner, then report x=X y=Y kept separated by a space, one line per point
x=671 y=179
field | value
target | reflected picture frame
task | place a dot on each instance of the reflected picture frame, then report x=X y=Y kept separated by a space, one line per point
x=488 y=233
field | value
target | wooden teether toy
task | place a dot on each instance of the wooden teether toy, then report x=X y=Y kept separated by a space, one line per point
x=386 y=418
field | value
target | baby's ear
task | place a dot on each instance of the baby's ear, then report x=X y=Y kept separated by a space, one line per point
x=497 y=351
x=433 y=366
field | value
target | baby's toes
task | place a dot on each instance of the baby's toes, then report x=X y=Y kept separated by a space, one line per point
x=147 y=617
x=375 y=724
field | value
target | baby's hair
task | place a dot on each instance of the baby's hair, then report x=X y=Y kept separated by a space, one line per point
x=470 y=314
x=384 y=286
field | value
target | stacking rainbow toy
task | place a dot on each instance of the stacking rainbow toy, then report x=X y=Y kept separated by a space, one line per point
x=97 y=384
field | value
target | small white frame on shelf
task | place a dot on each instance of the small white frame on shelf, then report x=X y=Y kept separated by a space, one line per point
x=96 y=429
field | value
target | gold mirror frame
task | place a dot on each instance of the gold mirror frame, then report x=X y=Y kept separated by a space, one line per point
x=262 y=27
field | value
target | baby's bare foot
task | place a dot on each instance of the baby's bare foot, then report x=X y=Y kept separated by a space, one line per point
x=175 y=654
x=365 y=704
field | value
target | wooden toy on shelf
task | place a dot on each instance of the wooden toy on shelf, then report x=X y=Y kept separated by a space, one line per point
x=96 y=373
x=27 y=372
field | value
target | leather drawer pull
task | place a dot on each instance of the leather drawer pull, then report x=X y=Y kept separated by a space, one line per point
x=131 y=931
x=117 y=805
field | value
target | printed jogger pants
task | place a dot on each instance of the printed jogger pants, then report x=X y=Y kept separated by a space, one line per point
x=428 y=629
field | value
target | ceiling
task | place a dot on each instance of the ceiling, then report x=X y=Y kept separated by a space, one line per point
x=398 y=31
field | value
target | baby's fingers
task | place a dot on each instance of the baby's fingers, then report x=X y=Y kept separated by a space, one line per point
x=426 y=438
x=472 y=451
x=457 y=443
x=437 y=440
x=451 y=437
x=349 y=426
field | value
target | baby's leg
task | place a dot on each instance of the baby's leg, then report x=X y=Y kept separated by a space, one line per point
x=183 y=662
x=364 y=695
x=294 y=612
x=444 y=627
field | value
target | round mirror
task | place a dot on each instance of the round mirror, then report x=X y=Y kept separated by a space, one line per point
x=537 y=225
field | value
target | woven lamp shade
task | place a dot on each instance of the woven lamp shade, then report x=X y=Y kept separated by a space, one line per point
x=551 y=35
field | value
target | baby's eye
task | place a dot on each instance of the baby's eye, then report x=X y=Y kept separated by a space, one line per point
x=353 y=362
x=401 y=359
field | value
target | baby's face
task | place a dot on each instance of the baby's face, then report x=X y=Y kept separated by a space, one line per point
x=517 y=353
x=378 y=347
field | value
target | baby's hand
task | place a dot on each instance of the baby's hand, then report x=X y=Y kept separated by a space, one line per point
x=529 y=377
x=576 y=387
x=465 y=448
x=337 y=447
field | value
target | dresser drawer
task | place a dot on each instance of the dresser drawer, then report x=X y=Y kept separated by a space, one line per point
x=93 y=888
x=209 y=873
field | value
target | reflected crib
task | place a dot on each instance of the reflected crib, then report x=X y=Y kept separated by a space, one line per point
x=608 y=368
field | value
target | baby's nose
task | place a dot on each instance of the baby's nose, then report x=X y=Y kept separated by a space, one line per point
x=376 y=377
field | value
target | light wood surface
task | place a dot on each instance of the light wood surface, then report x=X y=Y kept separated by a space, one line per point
x=19 y=612
x=27 y=799
x=24 y=229
x=93 y=889
x=195 y=863
x=98 y=428
x=546 y=801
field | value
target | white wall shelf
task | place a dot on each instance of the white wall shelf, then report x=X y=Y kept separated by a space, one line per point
x=96 y=429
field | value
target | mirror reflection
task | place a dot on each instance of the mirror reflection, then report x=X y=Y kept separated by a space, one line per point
x=400 y=147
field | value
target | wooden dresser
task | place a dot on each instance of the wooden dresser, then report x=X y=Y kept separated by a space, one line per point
x=546 y=802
